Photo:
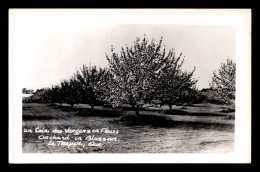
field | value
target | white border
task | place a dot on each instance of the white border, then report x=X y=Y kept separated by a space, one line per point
x=240 y=18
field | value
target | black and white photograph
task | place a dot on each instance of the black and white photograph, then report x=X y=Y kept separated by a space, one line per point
x=129 y=85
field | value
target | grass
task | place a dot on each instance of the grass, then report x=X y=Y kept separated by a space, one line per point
x=192 y=129
x=166 y=121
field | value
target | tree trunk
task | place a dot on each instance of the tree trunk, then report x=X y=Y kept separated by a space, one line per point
x=170 y=106
x=71 y=106
x=137 y=111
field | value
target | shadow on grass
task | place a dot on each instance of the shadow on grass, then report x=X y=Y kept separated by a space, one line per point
x=25 y=107
x=62 y=108
x=98 y=112
x=120 y=111
x=27 y=117
x=53 y=105
x=228 y=110
x=162 y=121
x=175 y=112
x=82 y=111
x=182 y=112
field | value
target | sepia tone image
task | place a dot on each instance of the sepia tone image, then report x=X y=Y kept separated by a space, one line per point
x=126 y=88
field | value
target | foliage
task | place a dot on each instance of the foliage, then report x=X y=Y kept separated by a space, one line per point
x=140 y=74
x=175 y=87
x=84 y=87
x=41 y=96
x=144 y=72
x=134 y=72
x=224 y=83
x=72 y=91
x=90 y=79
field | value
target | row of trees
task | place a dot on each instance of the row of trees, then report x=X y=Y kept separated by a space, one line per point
x=138 y=75
x=83 y=87
x=141 y=74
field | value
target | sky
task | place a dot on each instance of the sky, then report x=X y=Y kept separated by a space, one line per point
x=51 y=46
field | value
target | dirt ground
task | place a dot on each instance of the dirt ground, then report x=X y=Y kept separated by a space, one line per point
x=211 y=131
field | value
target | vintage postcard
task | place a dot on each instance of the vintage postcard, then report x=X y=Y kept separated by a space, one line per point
x=129 y=86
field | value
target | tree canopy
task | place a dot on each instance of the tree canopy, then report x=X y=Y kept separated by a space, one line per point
x=224 y=83
x=145 y=72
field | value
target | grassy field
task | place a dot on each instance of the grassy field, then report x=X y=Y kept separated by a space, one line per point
x=200 y=128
